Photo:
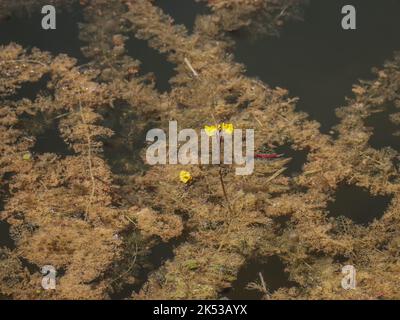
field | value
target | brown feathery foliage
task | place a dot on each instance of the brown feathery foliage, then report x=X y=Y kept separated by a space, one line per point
x=76 y=213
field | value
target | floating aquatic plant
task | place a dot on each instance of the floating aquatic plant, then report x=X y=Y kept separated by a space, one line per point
x=75 y=213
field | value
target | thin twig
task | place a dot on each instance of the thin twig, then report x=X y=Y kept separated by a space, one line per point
x=282 y=12
x=61 y=115
x=263 y=282
x=191 y=68
x=275 y=175
x=130 y=220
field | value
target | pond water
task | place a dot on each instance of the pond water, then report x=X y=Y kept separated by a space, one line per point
x=5 y=237
x=273 y=273
x=183 y=11
x=383 y=129
x=358 y=204
x=151 y=62
x=30 y=90
x=297 y=159
x=27 y=31
x=315 y=59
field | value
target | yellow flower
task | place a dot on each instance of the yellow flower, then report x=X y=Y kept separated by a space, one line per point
x=227 y=127
x=185 y=176
x=210 y=130
x=27 y=156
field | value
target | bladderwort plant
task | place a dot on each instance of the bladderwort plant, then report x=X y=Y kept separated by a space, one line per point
x=188 y=153
x=226 y=143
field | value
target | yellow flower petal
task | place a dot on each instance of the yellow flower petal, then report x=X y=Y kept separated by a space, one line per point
x=227 y=127
x=27 y=156
x=185 y=176
x=210 y=130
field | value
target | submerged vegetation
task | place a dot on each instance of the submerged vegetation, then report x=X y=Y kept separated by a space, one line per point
x=89 y=206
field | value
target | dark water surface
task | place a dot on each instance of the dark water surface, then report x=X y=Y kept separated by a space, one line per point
x=152 y=61
x=297 y=159
x=5 y=237
x=158 y=255
x=50 y=141
x=27 y=31
x=317 y=60
x=358 y=204
x=183 y=11
x=383 y=129
x=274 y=275
x=30 y=90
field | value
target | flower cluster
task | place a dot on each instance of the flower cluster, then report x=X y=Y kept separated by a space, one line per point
x=224 y=127
x=185 y=176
